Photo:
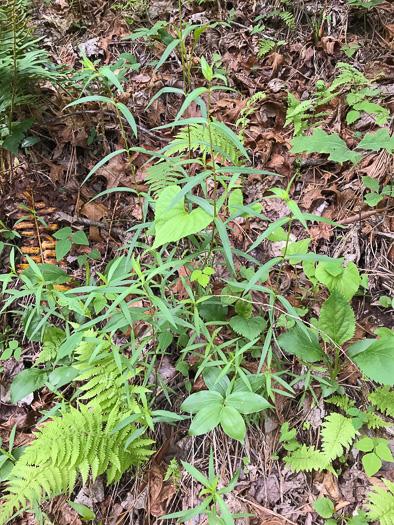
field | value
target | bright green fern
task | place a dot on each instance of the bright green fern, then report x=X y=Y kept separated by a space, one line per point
x=265 y=46
x=79 y=441
x=199 y=140
x=338 y=433
x=342 y=402
x=108 y=375
x=306 y=459
x=381 y=504
x=383 y=398
x=164 y=174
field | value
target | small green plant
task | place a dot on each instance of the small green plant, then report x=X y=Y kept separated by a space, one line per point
x=337 y=434
x=381 y=504
x=376 y=195
x=223 y=403
x=325 y=509
x=377 y=450
x=174 y=471
x=213 y=497
x=350 y=50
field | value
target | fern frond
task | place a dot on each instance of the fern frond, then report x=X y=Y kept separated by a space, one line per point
x=374 y=421
x=383 y=399
x=338 y=433
x=265 y=46
x=381 y=506
x=288 y=19
x=199 y=140
x=163 y=174
x=75 y=442
x=106 y=383
x=306 y=459
x=341 y=402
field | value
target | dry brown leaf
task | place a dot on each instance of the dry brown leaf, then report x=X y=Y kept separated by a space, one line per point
x=94 y=211
x=161 y=492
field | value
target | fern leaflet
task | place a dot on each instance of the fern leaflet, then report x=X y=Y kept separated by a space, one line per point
x=382 y=504
x=338 y=433
x=383 y=399
x=374 y=421
x=306 y=459
x=342 y=402
x=200 y=140
x=163 y=174
x=265 y=46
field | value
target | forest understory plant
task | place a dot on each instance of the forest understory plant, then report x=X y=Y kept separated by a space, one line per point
x=104 y=337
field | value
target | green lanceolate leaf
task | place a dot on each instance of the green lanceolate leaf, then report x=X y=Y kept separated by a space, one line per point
x=173 y=225
x=337 y=318
x=199 y=400
x=303 y=344
x=232 y=423
x=206 y=419
x=247 y=402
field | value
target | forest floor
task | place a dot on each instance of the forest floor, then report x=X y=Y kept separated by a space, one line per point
x=305 y=51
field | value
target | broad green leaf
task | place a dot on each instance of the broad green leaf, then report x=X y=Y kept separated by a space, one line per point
x=201 y=399
x=244 y=307
x=27 y=382
x=303 y=344
x=52 y=274
x=324 y=507
x=377 y=361
x=373 y=199
x=377 y=141
x=249 y=328
x=247 y=402
x=337 y=318
x=370 y=183
x=232 y=423
x=236 y=199
x=206 y=419
x=346 y=281
x=321 y=142
x=365 y=444
x=383 y=452
x=173 y=225
x=64 y=233
x=371 y=463
x=211 y=375
x=297 y=247
x=62 y=248
x=79 y=237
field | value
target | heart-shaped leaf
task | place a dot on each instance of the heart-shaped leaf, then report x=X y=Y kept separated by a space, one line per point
x=176 y=223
